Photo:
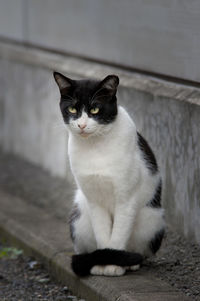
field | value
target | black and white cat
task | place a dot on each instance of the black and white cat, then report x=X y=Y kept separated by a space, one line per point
x=117 y=218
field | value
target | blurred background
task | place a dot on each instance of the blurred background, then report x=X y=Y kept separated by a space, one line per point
x=153 y=36
x=154 y=47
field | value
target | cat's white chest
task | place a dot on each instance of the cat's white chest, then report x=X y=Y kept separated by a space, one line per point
x=89 y=159
x=89 y=163
x=93 y=170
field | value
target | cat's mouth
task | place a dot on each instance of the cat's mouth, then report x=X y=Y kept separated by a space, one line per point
x=84 y=134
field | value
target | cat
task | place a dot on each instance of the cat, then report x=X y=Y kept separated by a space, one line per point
x=117 y=219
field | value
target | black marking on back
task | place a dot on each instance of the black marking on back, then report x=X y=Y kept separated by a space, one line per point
x=156 y=241
x=148 y=154
x=74 y=215
x=156 y=200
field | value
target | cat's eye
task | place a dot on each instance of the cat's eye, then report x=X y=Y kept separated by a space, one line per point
x=72 y=110
x=94 y=111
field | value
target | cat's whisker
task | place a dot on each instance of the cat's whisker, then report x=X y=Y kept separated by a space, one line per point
x=58 y=127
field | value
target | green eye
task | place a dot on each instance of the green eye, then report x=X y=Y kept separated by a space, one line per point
x=94 y=111
x=72 y=110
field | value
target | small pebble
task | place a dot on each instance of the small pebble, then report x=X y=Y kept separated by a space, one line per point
x=73 y=298
x=65 y=289
x=34 y=265
x=44 y=280
x=60 y=298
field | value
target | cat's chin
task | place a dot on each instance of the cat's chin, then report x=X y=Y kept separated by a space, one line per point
x=85 y=135
x=80 y=134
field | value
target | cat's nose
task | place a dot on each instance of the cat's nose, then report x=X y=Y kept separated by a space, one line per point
x=82 y=126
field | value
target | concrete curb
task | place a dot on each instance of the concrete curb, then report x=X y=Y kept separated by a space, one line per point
x=43 y=235
x=80 y=68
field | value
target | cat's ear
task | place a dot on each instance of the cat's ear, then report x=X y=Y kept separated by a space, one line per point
x=64 y=83
x=110 y=83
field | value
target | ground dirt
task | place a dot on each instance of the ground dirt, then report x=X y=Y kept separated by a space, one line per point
x=178 y=263
x=24 y=279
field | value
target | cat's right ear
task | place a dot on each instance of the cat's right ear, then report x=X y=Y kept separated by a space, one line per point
x=64 y=83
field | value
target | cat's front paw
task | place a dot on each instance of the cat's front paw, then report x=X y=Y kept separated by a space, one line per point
x=107 y=270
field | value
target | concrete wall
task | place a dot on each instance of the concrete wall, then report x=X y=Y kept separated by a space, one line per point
x=31 y=124
x=12 y=19
x=173 y=131
x=166 y=114
x=156 y=36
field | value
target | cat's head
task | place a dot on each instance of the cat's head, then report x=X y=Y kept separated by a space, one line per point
x=89 y=107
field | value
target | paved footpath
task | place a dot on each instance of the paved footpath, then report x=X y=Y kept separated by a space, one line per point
x=40 y=229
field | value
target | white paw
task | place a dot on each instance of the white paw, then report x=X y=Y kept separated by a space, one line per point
x=114 y=270
x=133 y=267
x=108 y=270
x=97 y=270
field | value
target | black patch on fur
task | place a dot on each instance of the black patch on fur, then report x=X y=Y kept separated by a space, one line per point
x=89 y=94
x=156 y=241
x=74 y=215
x=82 y=263
x=156 y=201
x=148 y=154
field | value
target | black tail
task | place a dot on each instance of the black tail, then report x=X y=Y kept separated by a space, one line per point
x=82 y=263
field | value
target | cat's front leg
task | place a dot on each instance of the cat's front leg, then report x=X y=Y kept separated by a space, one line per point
x=124 y=218
x=102 y=224
x=123 y=222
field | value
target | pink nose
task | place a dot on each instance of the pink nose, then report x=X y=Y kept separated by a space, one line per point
x=82 y=126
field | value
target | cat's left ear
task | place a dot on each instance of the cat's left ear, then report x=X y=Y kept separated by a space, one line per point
x=64 y=83
x=110 y=83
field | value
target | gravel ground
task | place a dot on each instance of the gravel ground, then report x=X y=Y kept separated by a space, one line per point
x=178 y=263
x=24 y=279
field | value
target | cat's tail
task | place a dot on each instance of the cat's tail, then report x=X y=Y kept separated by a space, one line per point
x=82 y=263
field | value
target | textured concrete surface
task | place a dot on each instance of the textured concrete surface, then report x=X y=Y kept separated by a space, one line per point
x=30 y=122
x=79 y=68
x=167 y=114
x=12 y=19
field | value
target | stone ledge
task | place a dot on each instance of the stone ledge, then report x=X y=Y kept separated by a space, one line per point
x=80 y=68
x=43 y=235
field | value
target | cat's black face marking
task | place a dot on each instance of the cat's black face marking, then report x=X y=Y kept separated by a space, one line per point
x=84 y=95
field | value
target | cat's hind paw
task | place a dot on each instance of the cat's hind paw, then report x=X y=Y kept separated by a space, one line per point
x=107 y=270
x=135 y=267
